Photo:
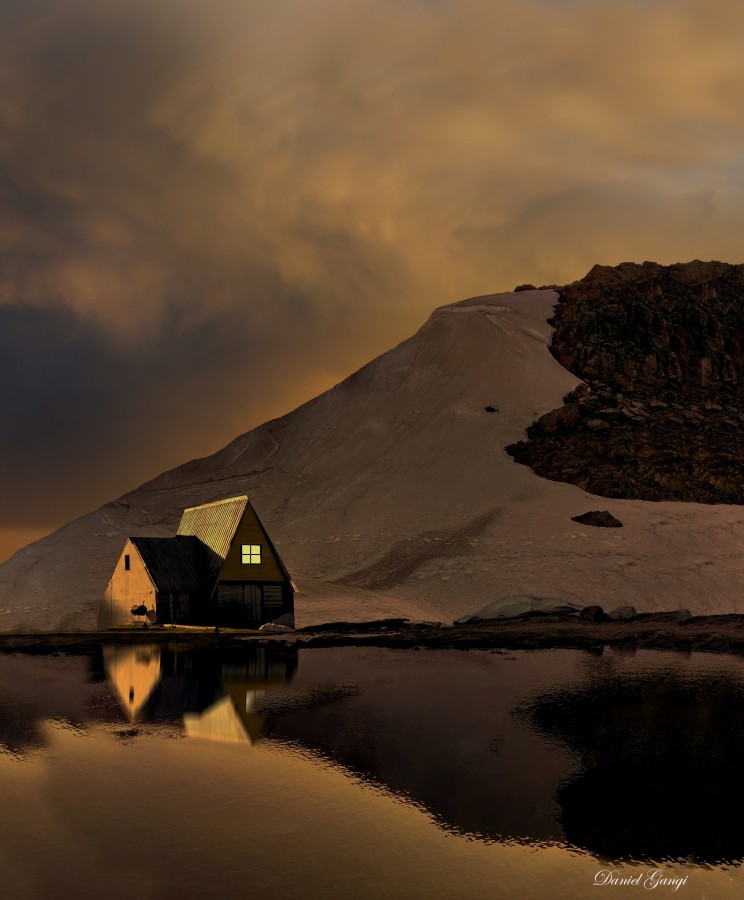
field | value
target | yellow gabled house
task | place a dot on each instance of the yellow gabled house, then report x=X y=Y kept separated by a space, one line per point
x=221 y=569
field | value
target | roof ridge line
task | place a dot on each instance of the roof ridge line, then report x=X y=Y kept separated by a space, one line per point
x=216 y=502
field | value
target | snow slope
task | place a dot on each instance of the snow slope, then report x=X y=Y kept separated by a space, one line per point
x=391 y=494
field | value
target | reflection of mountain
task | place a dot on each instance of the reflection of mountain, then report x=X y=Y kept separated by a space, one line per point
x=623 y=756
x=34 y=688
x=661 y=774
x=434 y=727
x=214 y=692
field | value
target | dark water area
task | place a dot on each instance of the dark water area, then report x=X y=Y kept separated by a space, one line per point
x=660 y=771
x=521 y=774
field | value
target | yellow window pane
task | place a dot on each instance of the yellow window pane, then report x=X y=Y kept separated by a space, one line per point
x=250 y=554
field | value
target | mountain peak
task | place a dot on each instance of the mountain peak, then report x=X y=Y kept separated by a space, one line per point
x=392 y=494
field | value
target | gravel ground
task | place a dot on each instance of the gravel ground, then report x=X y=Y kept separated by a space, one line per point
x=665 y=631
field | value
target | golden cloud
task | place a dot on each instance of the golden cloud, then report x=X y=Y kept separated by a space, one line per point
x=322 y=175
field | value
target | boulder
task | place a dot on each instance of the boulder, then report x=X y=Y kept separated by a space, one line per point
x=516 y=605
x=274 y=628
x=580 y=392
x=592 y=614
x=563 y=419
x=599 y=518
x=622 y=613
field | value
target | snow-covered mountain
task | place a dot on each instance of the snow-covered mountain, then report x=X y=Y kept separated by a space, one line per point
x=391 y=494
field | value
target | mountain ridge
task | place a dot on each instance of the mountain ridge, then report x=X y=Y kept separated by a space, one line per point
x=391 y=494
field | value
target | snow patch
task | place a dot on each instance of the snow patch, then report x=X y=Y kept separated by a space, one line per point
x=516 y=605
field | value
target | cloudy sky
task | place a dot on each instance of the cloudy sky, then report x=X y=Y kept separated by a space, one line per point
x=212 y=210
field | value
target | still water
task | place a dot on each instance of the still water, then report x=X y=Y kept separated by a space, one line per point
x=160 y=772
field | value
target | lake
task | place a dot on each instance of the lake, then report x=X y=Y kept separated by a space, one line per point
x=158 y=771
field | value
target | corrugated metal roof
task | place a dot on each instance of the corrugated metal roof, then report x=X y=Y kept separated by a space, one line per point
x=193 y=560
x=171 y=562
x=215 y=525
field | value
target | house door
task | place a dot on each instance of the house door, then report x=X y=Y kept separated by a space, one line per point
x=179 y=608
x=273 y=602
x=230 y=605
x=252 y=600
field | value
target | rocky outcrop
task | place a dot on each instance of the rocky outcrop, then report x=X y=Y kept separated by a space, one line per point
x=653 y=330
x=661 y=412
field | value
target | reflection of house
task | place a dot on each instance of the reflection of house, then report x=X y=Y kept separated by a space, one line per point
x=134 y=672
x=234 y=718
x=214 y=694
x=231 y=720
x=221 y=568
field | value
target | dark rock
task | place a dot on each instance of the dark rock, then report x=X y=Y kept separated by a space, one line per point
x=490 y=409
x=599 y=518
x=580 y=392
x=592 y=614
x=597 y=424
x=558 y=420
x=524 y=287
x=622 y=613
x=683 y=615
x=664 y=347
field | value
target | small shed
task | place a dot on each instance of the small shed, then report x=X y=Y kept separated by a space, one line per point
x=221 y=568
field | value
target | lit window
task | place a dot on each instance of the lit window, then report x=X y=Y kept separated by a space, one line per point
x=250 y=554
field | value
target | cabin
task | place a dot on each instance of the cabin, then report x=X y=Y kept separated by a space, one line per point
x=220 y=568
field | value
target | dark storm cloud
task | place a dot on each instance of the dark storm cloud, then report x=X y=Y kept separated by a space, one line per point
x=74 y=403
x=190 y=189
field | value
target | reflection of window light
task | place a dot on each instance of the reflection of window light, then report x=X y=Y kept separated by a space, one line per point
x=250 y=554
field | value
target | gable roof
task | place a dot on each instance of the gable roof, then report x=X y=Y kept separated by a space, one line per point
x=215 y=525
x=172 y=562
x=193 y=560
x=228 y=720
x=278 y=558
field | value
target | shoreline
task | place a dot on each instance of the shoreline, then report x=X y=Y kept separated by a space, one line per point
x=651 y=631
